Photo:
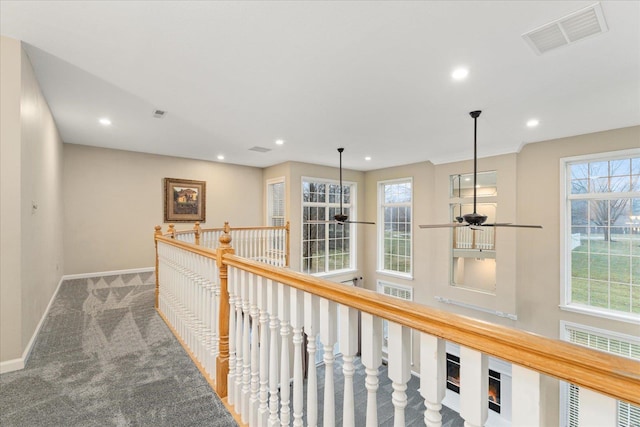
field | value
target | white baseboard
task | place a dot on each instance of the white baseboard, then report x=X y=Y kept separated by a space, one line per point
x=108 y=273
x=17 y=364
x=11 y=365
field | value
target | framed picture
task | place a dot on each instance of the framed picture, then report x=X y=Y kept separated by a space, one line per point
x=184 y=200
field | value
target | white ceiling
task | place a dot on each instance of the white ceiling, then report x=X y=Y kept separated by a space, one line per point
x=370 y=76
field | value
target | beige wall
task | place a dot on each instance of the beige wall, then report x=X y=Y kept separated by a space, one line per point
x=114 y=196
x=10 y=199
x=538 y=200
x=32 y=252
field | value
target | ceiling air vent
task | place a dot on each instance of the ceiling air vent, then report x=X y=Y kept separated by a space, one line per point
x=259 y=149
x=568 y=29
x=158 y=114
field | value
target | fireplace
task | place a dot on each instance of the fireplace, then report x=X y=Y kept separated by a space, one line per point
x=453 y=382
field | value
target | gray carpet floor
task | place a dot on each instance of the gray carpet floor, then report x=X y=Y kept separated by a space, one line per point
x=105 y=358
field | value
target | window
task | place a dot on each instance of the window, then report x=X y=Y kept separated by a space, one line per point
x=473 y=257
x=602 y=234
x=400 y=292
x=275 y=202
x=326 y=247
x=394 y=232
x=622 y=345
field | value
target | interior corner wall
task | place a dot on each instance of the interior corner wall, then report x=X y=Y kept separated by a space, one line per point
x=10 y=197
x=113 y=200
x=538 y=201
x=294 y=172
x=42 y=261
x=31 y=168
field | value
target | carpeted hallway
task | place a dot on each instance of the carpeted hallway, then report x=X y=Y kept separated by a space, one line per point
x=105 y=358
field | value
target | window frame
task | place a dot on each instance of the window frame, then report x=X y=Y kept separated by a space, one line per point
x=566 y=303
x=269 y=212
x=565 y=335
x=352 y=206
x=380 y=229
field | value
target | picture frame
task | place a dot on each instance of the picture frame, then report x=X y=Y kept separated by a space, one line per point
x=184 y=200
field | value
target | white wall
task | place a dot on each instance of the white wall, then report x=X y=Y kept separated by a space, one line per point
x=114 y=199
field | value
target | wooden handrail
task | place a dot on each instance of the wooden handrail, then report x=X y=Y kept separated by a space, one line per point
x=612 y=375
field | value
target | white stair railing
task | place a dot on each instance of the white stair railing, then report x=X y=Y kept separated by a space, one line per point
x=269 y=308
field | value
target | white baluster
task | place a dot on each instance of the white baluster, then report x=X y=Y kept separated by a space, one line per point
x=263 y=409
x=596 y=410
x=231 y=376
x=433 y=377
x=246 y=347
x=371 y=359
x=525 y=389
x=284 y=308
x=328 y=320
x=239 y=344
x=297 y=321
x=399 y=368
x=348 y=347
x=255 y=366
x=274 y=400
x=311 y=328
x=474 y=387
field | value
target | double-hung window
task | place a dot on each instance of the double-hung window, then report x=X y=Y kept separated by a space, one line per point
x=395 y=227
x=327 y=246
x=601 y=234
x=275 y=202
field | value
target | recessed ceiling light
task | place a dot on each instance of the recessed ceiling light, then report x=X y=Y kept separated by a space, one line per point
x=105 y=121
x=467 y=179
x=220 y=157
x=367 y=158
x=279 y=141
x=460 y=73
x=533 y=123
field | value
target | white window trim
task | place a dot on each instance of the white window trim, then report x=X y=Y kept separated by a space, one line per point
x=353 y=255
x=380 y=232
x=280 y=179
x=564 y=336
x=565 y=271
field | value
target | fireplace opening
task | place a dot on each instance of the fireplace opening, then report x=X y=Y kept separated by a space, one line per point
x=453 y=382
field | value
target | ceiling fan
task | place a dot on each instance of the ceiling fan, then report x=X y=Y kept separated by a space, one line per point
x=339 y=218
x=474 y=220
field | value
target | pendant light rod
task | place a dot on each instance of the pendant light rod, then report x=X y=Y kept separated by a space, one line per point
x=475 y=115
x=340 y=150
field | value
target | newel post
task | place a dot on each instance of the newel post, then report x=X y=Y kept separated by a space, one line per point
x=155 y=235
x=222 y=361
x=196 y=232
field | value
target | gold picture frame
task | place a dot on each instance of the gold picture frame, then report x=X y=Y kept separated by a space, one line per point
x=184 y=200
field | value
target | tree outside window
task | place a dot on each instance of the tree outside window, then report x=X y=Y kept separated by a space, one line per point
x=604 y=208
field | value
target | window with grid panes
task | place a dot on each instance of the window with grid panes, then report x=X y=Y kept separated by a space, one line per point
x=395 y=226
x=276 y=202
x=602 y=236
x=326 y=246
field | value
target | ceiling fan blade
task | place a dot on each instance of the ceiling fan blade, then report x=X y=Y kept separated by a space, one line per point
x=359 y=222
x=449 y=225
x=512 y=225
x=319 y=221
